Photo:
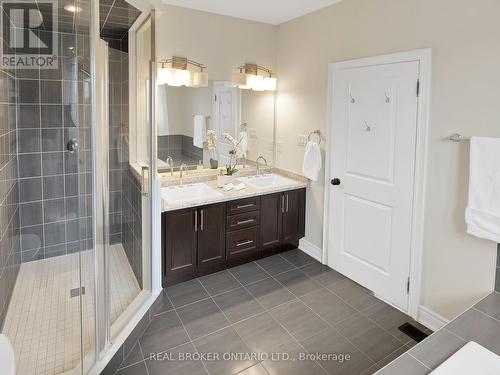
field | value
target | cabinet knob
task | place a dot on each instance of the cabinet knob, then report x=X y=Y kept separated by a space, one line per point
x=335 y=182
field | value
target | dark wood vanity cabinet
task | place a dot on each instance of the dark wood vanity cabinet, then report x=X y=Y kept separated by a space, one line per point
x=179 y=248
x=211 y=238
x=203 y=240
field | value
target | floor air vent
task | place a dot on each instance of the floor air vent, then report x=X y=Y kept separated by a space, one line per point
x=412 y=331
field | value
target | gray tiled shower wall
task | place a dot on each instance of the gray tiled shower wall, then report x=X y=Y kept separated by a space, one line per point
x=180 y=147
x=125 y=191
x=9 y=198
x=55 y=186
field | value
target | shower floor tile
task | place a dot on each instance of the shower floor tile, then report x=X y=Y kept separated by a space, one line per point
x=43 y=321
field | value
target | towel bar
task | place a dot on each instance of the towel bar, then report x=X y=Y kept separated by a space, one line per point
x=456 y=137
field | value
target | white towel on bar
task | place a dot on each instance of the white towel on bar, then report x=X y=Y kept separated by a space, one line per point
x=199 y=131
x=312 y=161
x=163 y=128
x=483 y=212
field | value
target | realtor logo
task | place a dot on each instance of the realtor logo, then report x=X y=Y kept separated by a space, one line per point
x=29 y=33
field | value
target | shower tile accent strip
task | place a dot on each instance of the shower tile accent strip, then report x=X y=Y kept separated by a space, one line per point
x=9 y=198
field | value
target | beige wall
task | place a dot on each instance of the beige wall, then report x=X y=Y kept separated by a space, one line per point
x=221 y=43
x=464 y=36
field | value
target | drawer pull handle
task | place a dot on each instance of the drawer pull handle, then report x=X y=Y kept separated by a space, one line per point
x=243 y=243
x=245 y=205
x=244 y=222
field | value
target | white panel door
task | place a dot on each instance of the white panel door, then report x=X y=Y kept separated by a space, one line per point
x=373 y=143
x=226 y=118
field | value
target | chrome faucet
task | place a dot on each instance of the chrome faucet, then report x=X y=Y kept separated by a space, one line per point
x=170 y=163
x=181 y=169
x=258 y=164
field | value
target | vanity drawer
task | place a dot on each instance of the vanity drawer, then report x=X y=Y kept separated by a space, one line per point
x=242 y=243
x=243 y=205
x=244 y=220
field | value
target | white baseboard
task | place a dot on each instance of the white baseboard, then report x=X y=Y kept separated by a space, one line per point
x=310 y=249
x=431 y=319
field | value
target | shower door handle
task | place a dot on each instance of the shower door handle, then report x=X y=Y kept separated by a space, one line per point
x=72 y=145
x=145 y=182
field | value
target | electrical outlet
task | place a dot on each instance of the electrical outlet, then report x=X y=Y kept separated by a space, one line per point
x=301 y=139
x=279 y=146
x=253 y=133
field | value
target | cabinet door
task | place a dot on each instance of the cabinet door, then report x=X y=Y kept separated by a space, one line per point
x=211 y=238
x=270 y=222
x=179 y=241
x=293 y=216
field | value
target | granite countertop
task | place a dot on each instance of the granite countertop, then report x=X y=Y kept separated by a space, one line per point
x=247 y=192
x=480 y=323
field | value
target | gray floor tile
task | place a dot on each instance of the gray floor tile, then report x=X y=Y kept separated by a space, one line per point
x=391 y=357
x=270 y=293
x=165 y=304
x=298 y=319
x=219 y=282
x=473 y=325
x=133 y=357
x=298 y=258
x=164 y=332
x=275 y=264
x=293 y=364
x=372 y=340
x=187 y=292
x=328 y=306
x=490 y=305
x=254 y=370
x=322 y=274
x=390 y=319
x=362 y=301
x=331 y=342
x=405 y=365
x=137 y=369
x=347 y=289
x=437 y=348
x=297 y=282
x=202 y=318
x=249 y=273
x=176 y=364
x=238 y=304
x=262 y=334
x=372 y=370
x=221 y=342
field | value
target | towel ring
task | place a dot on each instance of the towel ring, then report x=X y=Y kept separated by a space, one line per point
x=316 y=133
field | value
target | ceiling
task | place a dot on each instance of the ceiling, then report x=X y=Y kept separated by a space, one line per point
x=273 y=12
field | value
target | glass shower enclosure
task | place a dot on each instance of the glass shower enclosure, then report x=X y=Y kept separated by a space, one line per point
x=76 y=211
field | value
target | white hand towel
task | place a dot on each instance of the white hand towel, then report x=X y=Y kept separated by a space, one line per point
x=199 y=131
x=483 y=212
x=312 y=161
x=163 y=128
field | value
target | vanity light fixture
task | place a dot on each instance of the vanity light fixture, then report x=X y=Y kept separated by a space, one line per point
x=255 y=77
x=178 y=71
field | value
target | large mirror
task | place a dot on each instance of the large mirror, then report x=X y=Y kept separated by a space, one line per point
x=194 y=124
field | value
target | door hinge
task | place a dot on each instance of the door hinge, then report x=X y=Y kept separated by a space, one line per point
x=215 y=97
x=408 y=286
x=418 y=88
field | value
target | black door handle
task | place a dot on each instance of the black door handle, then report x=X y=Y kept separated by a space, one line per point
x=335 y=182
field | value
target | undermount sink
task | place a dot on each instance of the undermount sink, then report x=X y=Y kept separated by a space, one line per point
x=188 y=193
x=266 y=181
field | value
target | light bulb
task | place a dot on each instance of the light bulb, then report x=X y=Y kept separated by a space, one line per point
x=270 y=83
x=200 y=79
x=164 y=76
x=255 y=82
